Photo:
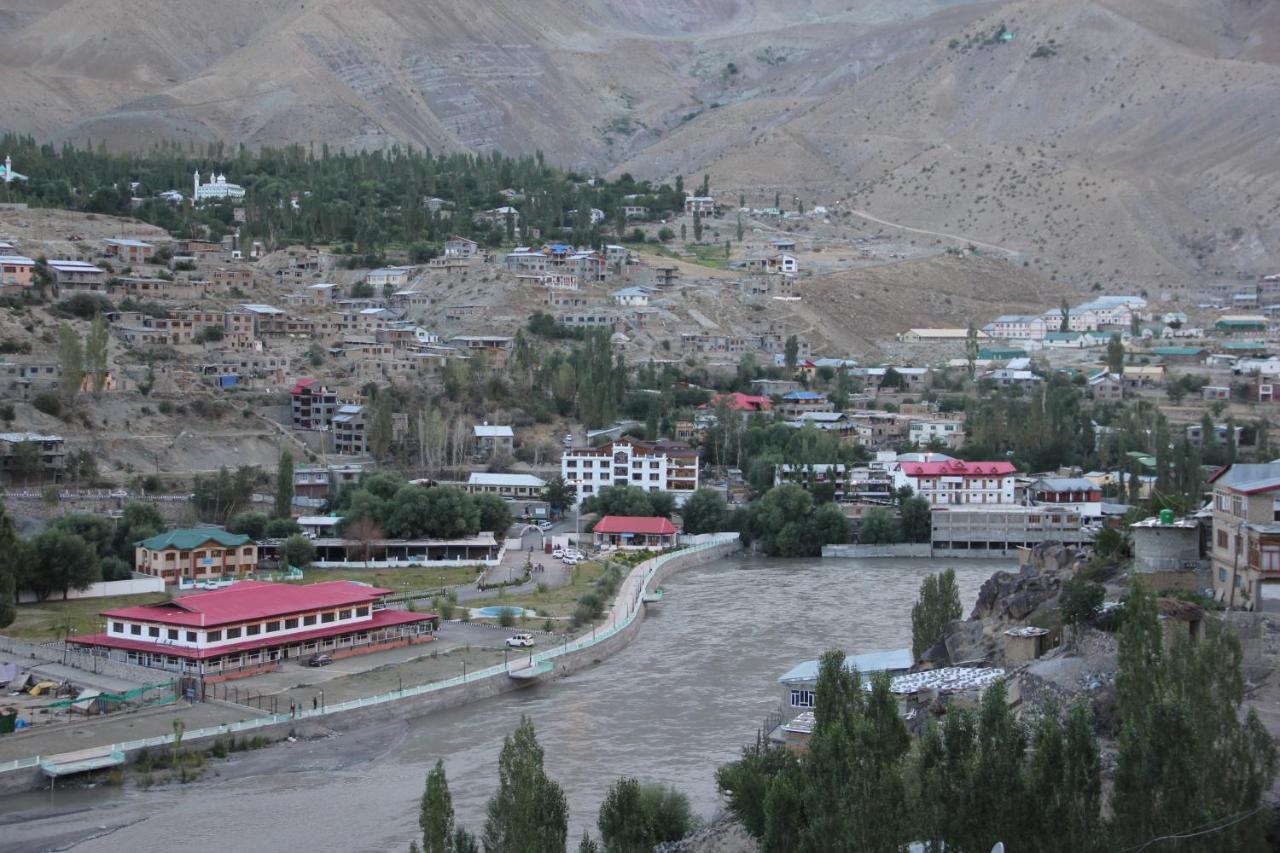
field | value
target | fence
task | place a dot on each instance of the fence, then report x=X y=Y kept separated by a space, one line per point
x=103 y=589
x=629 y=596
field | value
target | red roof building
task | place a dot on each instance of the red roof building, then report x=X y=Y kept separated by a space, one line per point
x=953 y=482
x=739 y=402
x=313 y=404
x=635 y=531
x=254 y=625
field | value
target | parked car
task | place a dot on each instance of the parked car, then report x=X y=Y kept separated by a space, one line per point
x=319 y=660
x=570 y=561
x=544 y=525
x=558 y=553
x=520 y=641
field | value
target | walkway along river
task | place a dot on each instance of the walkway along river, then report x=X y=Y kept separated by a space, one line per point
x=674 y=705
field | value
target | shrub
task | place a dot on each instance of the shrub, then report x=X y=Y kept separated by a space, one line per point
x=583 y=613
x=49 y=403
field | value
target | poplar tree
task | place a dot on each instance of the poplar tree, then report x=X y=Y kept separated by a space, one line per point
x=938 y=604
x=71 y=362
x=435 y=812
x=284 y=486
x=96 y=352
x=528 y=814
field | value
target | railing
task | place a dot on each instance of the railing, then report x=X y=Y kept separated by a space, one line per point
x=646 y=572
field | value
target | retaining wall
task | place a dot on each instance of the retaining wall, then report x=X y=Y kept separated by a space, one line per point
x=901 y=549
x=425 y=699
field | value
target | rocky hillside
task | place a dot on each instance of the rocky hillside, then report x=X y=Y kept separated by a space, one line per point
x=1124 y=143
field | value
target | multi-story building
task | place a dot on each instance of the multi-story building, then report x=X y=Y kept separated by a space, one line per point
x=957 y=483
x=313 y=404
x=1077 y=494
x=16 y=273
x=703 y=205
x=1017 y=327
x=252 y=626
x=77 y=275
x=28 y=456
x=1246 y=536
x=350 y=432
x=1000 y=531
x=493 y=438
x=129 y=251
x=948 y=431
x=196 y=553
x=461 y=247
x=655 y=466
x=796 y=403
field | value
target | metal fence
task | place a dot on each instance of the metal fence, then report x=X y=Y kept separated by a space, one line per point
x=634 y=586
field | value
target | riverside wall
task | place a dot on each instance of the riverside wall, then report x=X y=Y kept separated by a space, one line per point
x=423 y=700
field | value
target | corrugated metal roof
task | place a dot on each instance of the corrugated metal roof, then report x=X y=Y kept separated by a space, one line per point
x=886 y=660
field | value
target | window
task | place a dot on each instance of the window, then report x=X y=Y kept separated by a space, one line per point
x=233 y=633
x=215 y=636
x=153 y=631
x=290 y=624
x=1222 y=575
x=273 y=626
x=1270 y=559
x=117 y=627
x=801 y=698
x=252 y=630
x=173 y=634
x=1237 y=506
x=327 y=617
x=136 y=630
x=191 y=636
x=309 y=620
x=362 y=611
x=1222 y=538
x=344 y=614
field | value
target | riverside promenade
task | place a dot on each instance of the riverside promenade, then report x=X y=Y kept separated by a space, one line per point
x=621 y=624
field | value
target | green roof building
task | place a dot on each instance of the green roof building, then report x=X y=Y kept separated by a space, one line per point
x=196 y=553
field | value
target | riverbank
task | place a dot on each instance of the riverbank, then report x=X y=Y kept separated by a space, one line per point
x=621 y=624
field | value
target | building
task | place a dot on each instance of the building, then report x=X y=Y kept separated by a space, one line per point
x=1077 y=494
x=956 y=483
x=1166 y=552
x=493 y=438
x=703 y=205
x=461 y=247
x=662 y=466
x=739 y=402
x=253 y=626
x=17 y=273
x=796 y=403
x=1017 y=327
x=515 y=486
x=801 y=681
x=1246 y=536
x=216 y=190
x=196 y=553
x=947 y=431
x=27 y=457
x=129 y=251
x=77 y=275
x=1232 y=324
x=397 y=277
x=350 y=434
x=634 y=532
x=313 y=404
x=630 y=297
x=812 y=476
x=939 y=336
x=1000 y=531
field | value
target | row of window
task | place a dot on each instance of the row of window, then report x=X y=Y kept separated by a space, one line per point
x=253 y=630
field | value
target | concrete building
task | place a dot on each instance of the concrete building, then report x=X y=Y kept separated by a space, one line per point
x=196 y=553
x=493 y=438
x=664 y=466
x=796 y=403
x=128 y=251
x=350 y=434
x=948 y=431
x=956 y=483
x=77 y=275
x=1077 y=494
x=1166 y=552
x=16 y=273
x=30 y=457
x=1001 y=531
x=514 y=486
x=1246 y=536
x=313 y=404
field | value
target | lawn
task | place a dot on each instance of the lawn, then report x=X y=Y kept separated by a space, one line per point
x=48 y=621
x=553 y=602
x=399 y=579
x=709 y=255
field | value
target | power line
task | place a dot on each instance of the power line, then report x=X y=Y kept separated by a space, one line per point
x=1196 y=831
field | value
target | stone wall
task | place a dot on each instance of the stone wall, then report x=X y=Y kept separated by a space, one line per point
x=901 y=549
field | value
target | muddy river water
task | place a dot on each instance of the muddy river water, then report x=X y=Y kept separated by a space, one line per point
x=679 y=701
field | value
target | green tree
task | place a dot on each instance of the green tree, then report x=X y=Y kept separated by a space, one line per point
x=587 y=845
x=252 y=524
x=70 y=361
x=704 y=511
x=1065 y=324
x=938 y=604
x=10 y=546
x=380 y=425
x=62 y=562
x=138 y=520
x=435 y=812
x=697 y=227
x=281 y=528
x=96 y=347
x=495 y=514
x=971 y=348
x=298 y=551
x=284 y=486
x=792 y=354
x=916 y=519
x=528 y=814
x=558 y=495
x=624 y=826
x=878 y=528
x=1079 y=600
x=25 y=463
x=1115 y=354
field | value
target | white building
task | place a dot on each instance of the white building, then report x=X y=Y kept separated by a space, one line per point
x=216 y=189
x=703 y=205
x=1017 y=327
x=655 y=466
x=630 y=297
x=518 y=486
x=949 y=431
x=957 y=483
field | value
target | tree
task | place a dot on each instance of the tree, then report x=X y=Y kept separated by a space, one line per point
x=96 y=352
x=916 y=519
x=1065 y=324
x=558 y=495
x=10 y=545
x=587 y=845
x=298 y=551
x=435 y=812
x=697 y=227
x=495 y=514
x=938 y=604
x=284 y=486
x=24 y=461
x=281 y=528
x=251 y=524
x=624 y=826
x=1079 y=600
x=792 y=354
x=528 y=814
x=62 y=562
x=667 y=812
x=381 y=425
x=70 y=361
x=138 y=520
x=878 y=528
x=971 y=348
x=1115 y=354
x=704 y=512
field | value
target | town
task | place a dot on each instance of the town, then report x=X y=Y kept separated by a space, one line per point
x=261 y=474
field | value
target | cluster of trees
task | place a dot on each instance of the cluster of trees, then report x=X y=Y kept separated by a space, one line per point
x=629 y=500
x=529 y=813
x=366 y=200
x=913 y=523
x=786 y=523
x=74 y=551
x=1189 y=763
x=383 y=503
x=588 y=381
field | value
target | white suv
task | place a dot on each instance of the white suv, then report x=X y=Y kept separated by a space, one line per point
x=520 y=641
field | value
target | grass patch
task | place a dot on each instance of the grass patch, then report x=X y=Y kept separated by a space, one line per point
x=47 y=621
x=399 y=579
x=562 y=600
x=709 y=255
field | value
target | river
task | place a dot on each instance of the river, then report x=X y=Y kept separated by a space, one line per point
x=678 y=702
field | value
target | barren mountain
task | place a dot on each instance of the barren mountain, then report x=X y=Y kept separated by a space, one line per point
x=1124 y=143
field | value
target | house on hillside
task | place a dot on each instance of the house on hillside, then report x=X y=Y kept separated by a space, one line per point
x=17 y=273
x=491 y=439
x=461 y=247
x=128 y=251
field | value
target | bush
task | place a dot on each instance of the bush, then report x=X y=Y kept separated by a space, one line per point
x=583 y=614
x=507 y=617
x=49 y=403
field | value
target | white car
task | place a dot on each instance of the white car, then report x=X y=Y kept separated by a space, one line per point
x=557 y=553
x=520 y=641
x=570 y=561
x=544 y=525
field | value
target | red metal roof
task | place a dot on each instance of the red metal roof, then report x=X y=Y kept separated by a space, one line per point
x=301 y=385
x=249 y=600
x=958 y=468
x=650 y=526
x=739 y=402
x=381 y=619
